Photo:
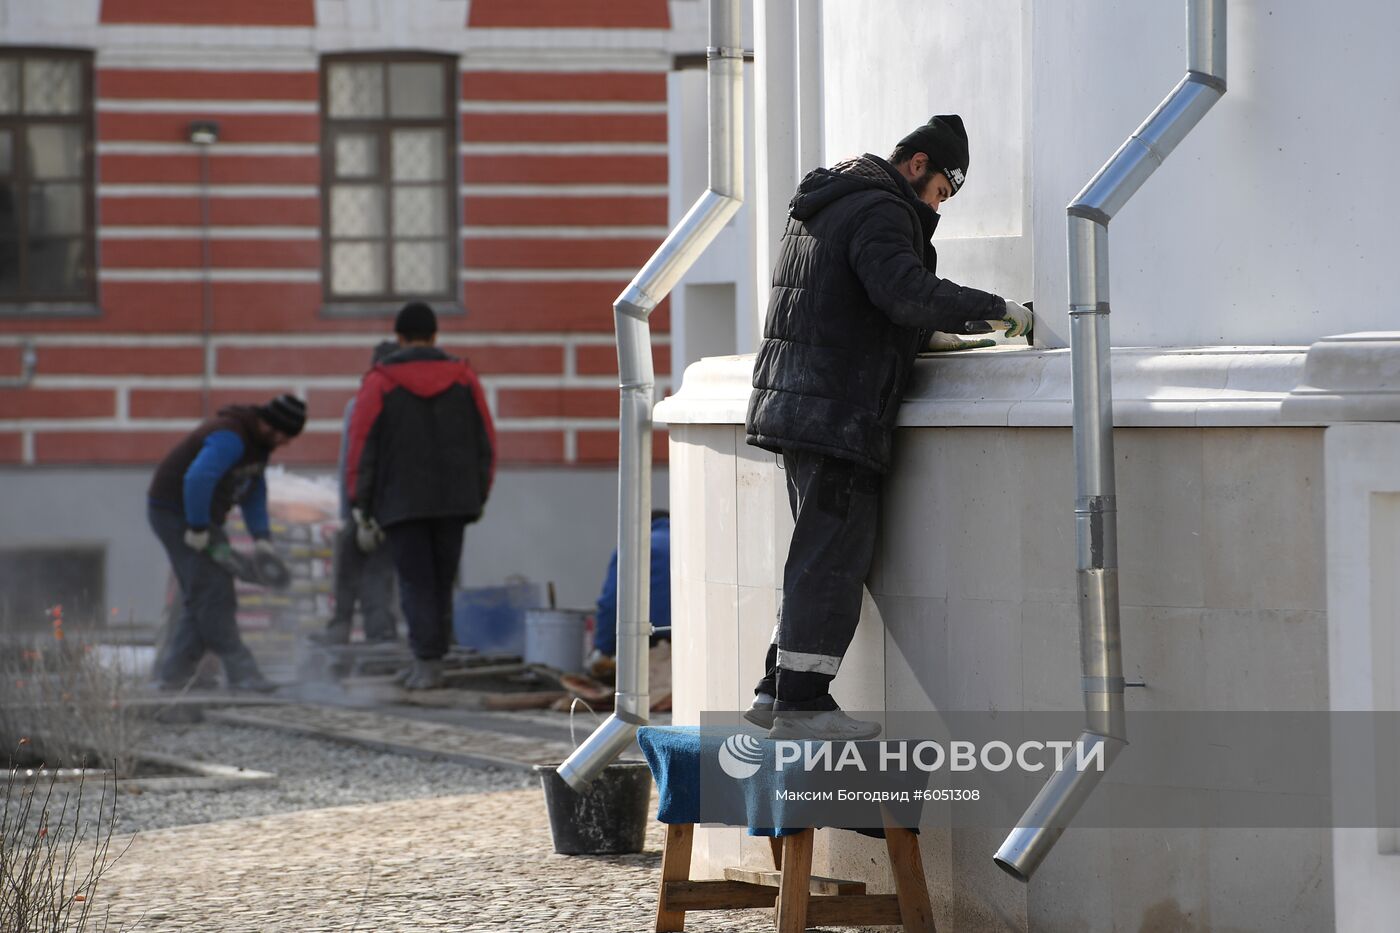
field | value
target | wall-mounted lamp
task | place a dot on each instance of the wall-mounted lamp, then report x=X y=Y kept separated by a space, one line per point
x=204 y=132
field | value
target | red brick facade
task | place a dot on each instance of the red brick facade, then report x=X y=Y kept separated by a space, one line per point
x=117 y=384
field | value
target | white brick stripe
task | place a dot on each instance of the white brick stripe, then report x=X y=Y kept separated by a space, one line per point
x=215 y=233
x=565 y=233
x=543 y=232
x=148 y=105
x=215 y=275
x=315 y=340
x=621 y=276
x=548 y=275
x=505 y=189
x=553 y=148
x=563 y=106
x=135 y=190
x=117 y=147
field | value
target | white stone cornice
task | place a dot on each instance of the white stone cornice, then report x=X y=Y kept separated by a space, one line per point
x=1022 y=387
x=1349 y=377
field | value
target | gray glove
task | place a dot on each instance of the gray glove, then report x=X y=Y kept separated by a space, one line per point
x=950 y=343
x=197 y=540
x=368 y=534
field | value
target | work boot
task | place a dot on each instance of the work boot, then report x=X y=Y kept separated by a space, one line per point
x=761 y=712
x=253 y=683
x=330 y=636
x=424 y=675
x=821 y=725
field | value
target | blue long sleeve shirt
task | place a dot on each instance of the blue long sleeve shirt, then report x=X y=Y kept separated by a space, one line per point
x=605 y=622
x=221 y=451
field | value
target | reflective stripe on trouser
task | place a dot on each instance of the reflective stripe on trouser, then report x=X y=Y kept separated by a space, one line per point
x=835 y=505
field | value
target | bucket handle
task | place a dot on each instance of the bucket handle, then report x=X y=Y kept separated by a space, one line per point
x=573 y=708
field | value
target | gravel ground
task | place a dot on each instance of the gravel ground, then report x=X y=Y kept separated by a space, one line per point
x=311 y=773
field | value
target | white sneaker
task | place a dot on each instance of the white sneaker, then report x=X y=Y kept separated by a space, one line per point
x=761 y=712
x=821 y=725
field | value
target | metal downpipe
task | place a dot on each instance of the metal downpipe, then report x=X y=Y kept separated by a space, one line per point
x=637 y=383
x=1096 y=514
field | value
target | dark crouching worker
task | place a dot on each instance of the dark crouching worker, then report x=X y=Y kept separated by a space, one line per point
x=855 y=298
x=420 y=466
x=217 y=466
x=361 y=577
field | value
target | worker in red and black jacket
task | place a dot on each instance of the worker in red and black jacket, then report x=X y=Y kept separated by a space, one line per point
x=420 y=465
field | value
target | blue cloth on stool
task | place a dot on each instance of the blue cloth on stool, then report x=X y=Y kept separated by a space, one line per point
x=721 y=775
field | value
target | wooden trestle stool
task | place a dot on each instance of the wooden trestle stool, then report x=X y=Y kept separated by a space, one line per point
x=799 y=898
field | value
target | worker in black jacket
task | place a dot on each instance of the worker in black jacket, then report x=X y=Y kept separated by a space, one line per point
x=855 y=298
x=420 y=466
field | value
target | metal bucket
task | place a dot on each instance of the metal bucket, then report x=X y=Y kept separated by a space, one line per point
x=554 y=637
x=609 y=818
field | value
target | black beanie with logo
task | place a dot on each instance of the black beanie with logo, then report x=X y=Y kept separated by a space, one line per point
x=944 y=139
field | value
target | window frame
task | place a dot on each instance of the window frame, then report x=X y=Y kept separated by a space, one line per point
x=382 y=128
x=85 y=297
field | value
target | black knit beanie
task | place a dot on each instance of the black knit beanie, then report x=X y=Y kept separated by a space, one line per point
x=285 y=413
x=416 y=321
x=944 y=140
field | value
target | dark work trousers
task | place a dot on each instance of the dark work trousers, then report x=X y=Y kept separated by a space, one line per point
x=836 y=508
x=207 y=612
x=367 y=579
x=426 y=552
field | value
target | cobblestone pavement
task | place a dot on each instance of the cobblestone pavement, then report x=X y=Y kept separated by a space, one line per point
x=387 y=732
x=481 y=862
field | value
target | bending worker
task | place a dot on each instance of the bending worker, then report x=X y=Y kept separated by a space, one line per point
x=856 y=297
x=218 y=465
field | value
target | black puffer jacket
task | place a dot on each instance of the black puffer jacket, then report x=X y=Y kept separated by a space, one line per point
x=422 y=443
x=854 y=299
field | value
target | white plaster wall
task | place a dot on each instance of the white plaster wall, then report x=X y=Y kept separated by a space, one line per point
x=706 y=326
x=972 y=605
x=1270 y=224
x=891 y=65
x=1363 y=528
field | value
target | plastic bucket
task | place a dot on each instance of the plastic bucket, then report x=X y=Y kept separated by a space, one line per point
x=554 y=637
x=609 y=818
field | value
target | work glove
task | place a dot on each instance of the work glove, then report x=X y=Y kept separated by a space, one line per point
x=949 y=343
x=1018 y=318
x=197 y=539
x=368 y=534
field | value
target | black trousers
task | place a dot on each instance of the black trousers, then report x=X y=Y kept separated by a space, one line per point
x=836 y=509
x=208 y=607
x=426 y=552
x=367 y=579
